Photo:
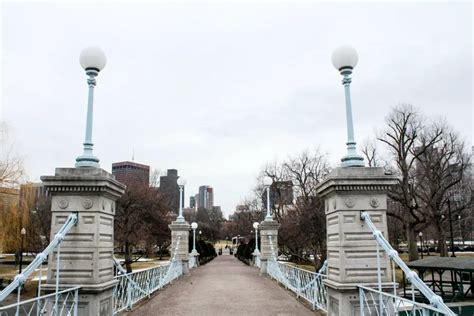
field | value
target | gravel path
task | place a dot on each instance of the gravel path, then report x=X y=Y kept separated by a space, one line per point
x=224 y=286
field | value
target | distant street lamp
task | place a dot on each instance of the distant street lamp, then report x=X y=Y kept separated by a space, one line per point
x=181 y=184
x=460 y=230
x=344 y=59
x=267 y=182
x=23 y=233
x=256 y=252
x=450 y=227
x=421 y=243
x=93 y=60
x=194 y=252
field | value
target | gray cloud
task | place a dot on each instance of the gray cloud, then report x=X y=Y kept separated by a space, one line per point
x=217 y=90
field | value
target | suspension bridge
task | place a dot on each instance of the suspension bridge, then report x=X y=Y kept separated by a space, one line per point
x=84 y=277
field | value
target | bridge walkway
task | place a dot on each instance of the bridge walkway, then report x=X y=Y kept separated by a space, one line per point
x=224 y=286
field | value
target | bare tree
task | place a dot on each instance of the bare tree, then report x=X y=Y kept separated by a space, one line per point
x=370 y=152
x=11 y=165
x=407 y=140
x=141 y=212
x=440 y=174
x=303 y=223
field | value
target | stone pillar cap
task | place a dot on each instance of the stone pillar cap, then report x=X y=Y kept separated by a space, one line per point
x=357 y=179
x=83 y=181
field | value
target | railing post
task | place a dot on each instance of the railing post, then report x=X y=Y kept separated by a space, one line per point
x=351 y=248
x=87 y=249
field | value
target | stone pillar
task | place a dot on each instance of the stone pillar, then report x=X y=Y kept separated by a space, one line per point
x=180 y=230
x=351 y=248
x=267 y=228
x=87 y=250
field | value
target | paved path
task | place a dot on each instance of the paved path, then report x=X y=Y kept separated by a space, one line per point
x=224 y=286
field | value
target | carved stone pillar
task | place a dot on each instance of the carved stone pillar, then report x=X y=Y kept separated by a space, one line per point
x=351 y=248
x=268 y=229
x=180 y=231
x=87 y=250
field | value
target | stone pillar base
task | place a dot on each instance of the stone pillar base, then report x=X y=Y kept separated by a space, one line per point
x=185 y=265
x=263 y=266
x=344 y=299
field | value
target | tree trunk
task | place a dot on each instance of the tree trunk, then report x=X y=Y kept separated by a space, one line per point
x=411 y=240
x=128 y=257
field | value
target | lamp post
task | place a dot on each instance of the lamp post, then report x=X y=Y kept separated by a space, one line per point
x=267 y=182
x=344 y=59
x=93 y=60
x=450 y=228
x=256 y=252
x=194 y=252
x=181 y=184
x=23 y=233
x=460 y=230
x=421 y=243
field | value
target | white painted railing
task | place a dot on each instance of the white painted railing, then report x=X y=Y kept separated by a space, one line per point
x=390 y=304
x=60 y=303
x=306 y=284
x=435 y=300
x=135 y=286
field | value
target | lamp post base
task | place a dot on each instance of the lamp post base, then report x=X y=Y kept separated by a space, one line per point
x=352 y=161
x=87 y=161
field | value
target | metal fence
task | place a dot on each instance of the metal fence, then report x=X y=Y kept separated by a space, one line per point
x=133 y=287
x=435 y=300
x=60 y=303
x=306 y=284
x=375 y=302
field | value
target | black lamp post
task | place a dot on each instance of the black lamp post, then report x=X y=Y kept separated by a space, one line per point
x=421 y=243
x=450 y=228
x=23 y=233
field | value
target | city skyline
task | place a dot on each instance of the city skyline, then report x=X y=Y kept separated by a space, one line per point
x=263 y=75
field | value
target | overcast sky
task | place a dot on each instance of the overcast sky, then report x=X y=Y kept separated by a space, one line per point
x=218 y=90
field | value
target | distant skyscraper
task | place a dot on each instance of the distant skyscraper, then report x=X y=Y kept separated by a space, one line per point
x=192 y=202
x=281 y=194
x=206 y=197
x=131 y=173
x=170 y=189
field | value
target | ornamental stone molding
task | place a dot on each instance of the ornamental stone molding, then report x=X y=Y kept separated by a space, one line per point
x=350 y=202
x=63 y=203
x=374 y=202
x=87 y=203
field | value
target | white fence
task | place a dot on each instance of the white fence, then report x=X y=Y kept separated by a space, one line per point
x=374 y=302
x=306 y=284
x=133 y=287
x=60 y=303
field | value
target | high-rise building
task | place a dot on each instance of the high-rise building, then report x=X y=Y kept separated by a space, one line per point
x=170 y=189
x=206 y=197
x=281 y=194
x=192 y=202
x=131 y=173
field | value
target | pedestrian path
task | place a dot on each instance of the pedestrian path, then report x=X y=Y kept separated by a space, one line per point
x=224 y=286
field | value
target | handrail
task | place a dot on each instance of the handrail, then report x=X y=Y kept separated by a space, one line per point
x=435 y=300
x=41 y=257
x=398 y=298
x=40 y=297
